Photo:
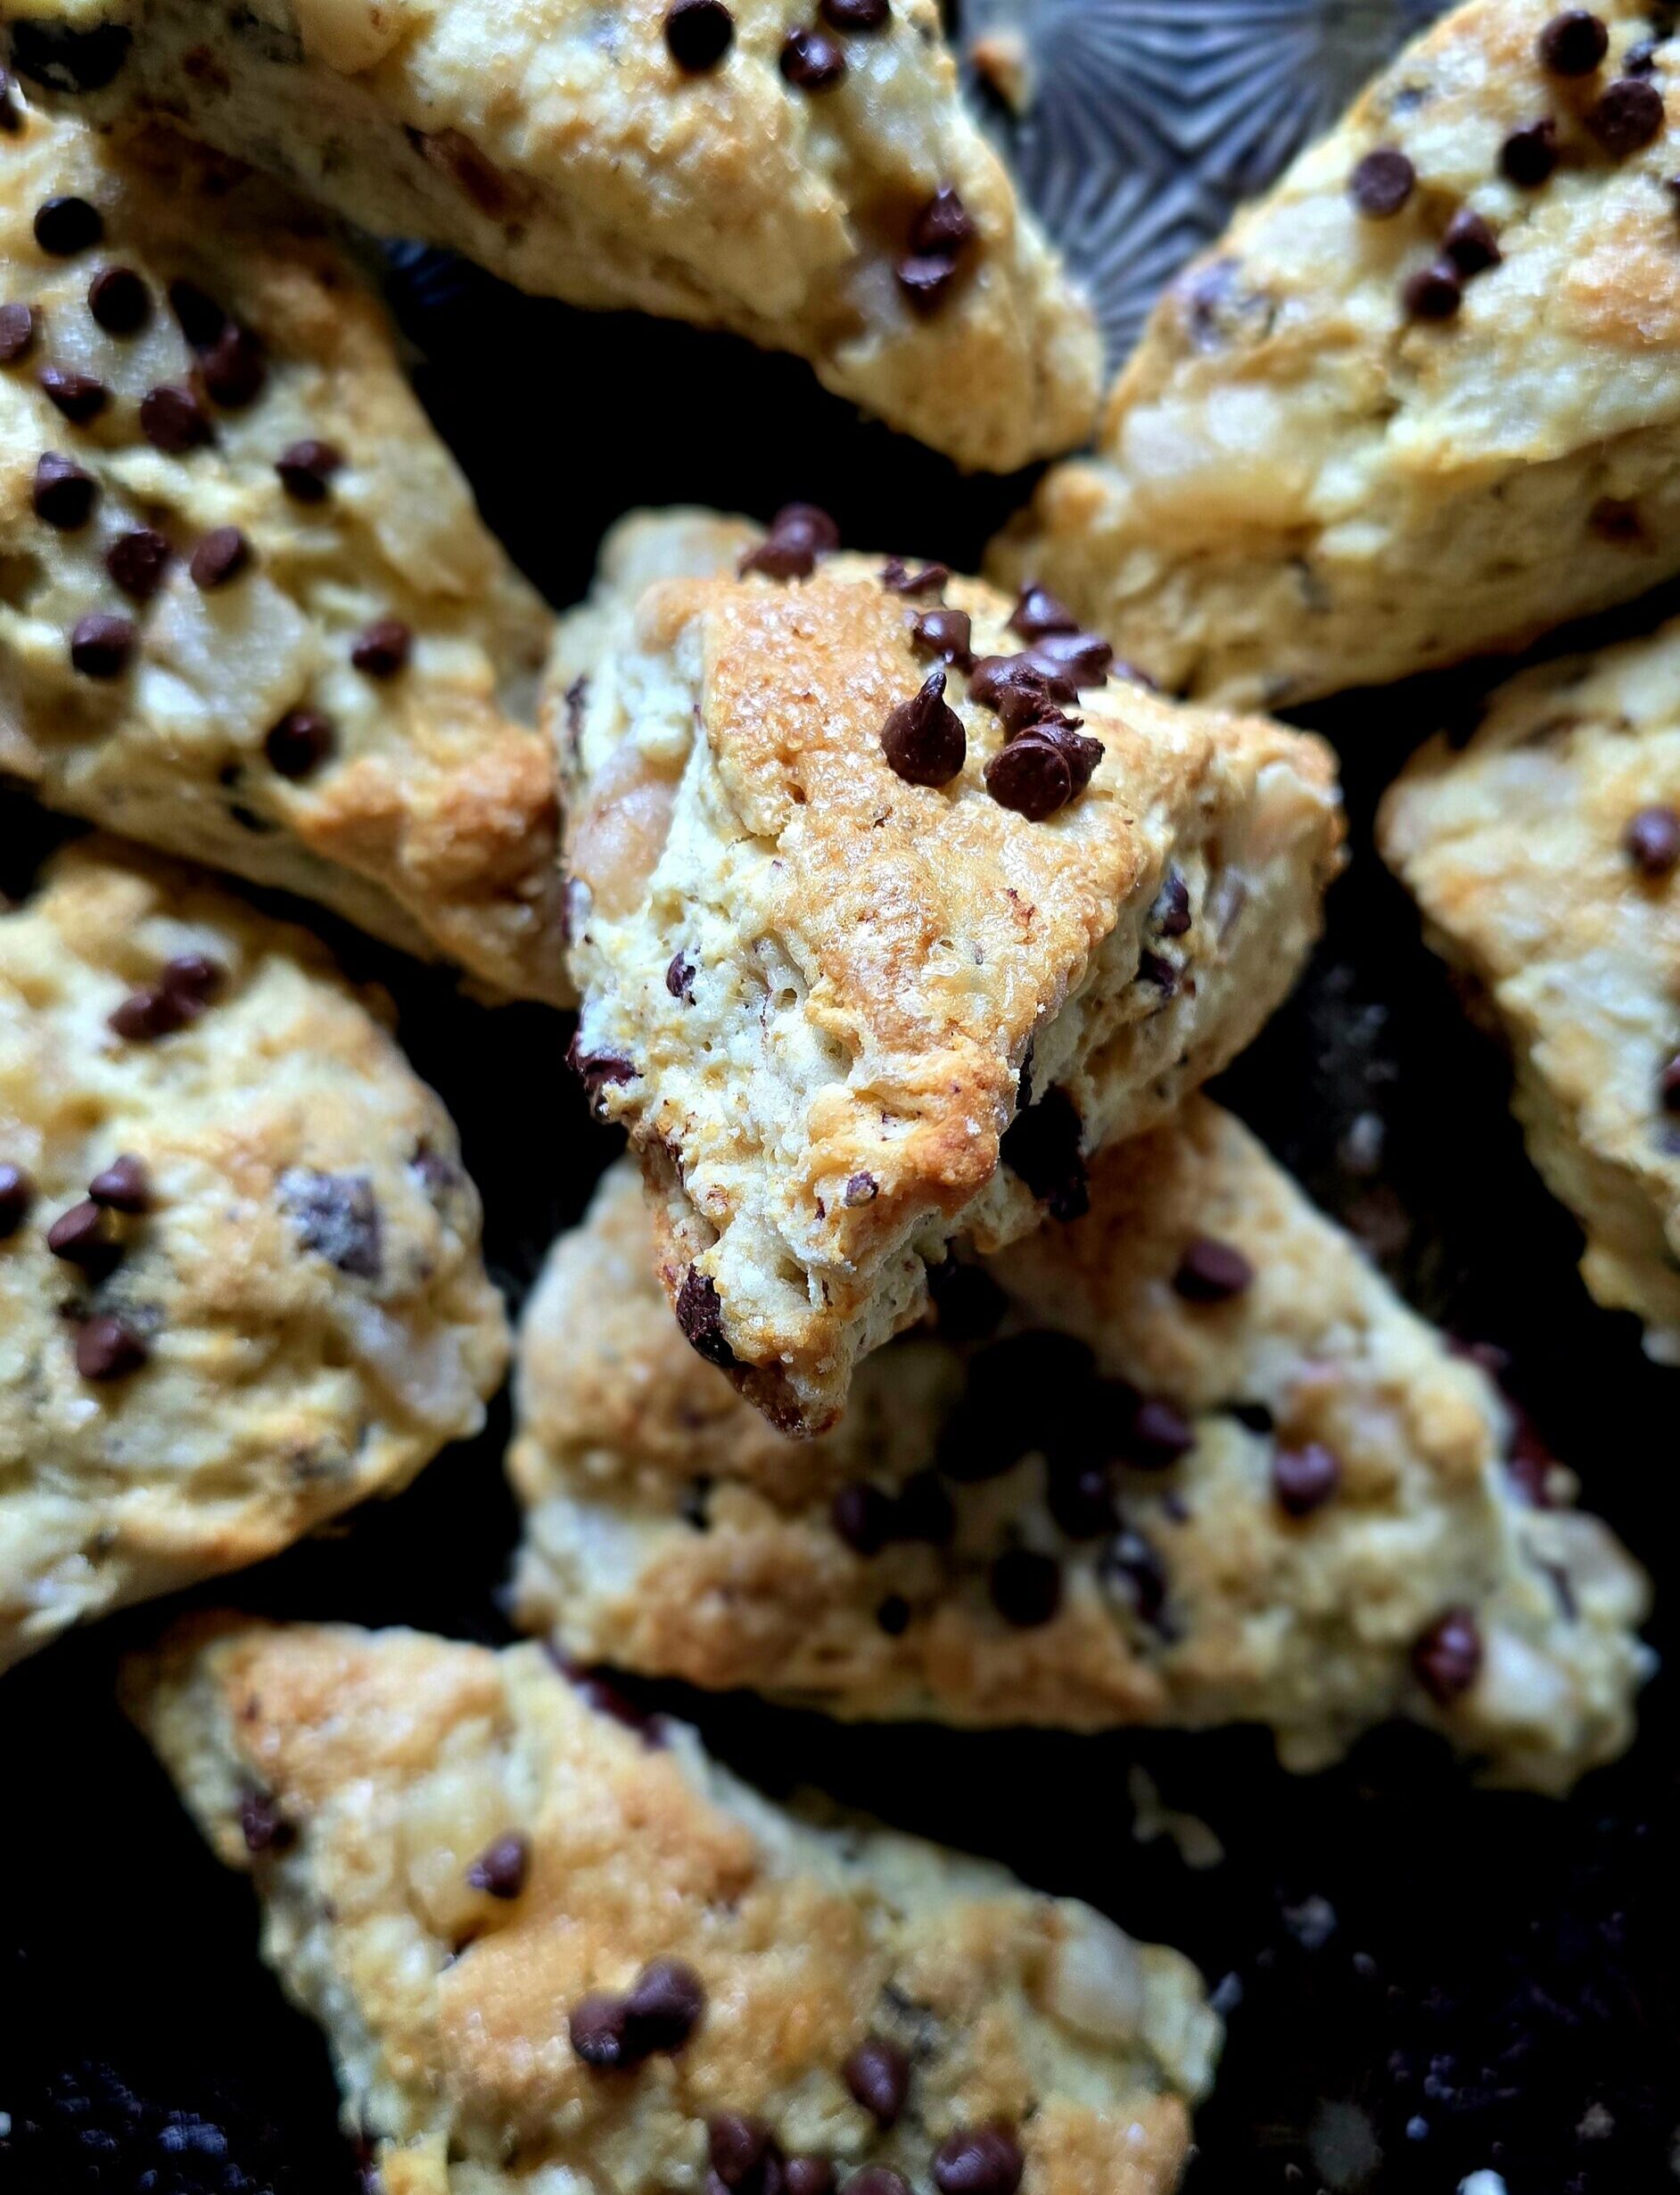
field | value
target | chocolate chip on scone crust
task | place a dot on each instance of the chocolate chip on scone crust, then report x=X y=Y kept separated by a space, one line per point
x=1092 y=1493
x=195 y=560
x=1423 y=400
x=685 y=1987
x=1542 y=857
x=818 y=188
x=240 y=1283
x=856 y=984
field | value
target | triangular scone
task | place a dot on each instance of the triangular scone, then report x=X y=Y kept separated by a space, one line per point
x=240 y=1283
x=1545 y=857
x=677 y=158
x=552 y=1952
x=1305 y=481
x=249 y=612
x=819 y=994
x=1101 y=1491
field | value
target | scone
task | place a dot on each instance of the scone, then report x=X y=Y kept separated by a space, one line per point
x=554 y=1955
x=805 y=176
x=1422 y=399
x=1543 y=857
x=240 y=1285
x=875 y=944
x=249 y=612
x=1187 y=1461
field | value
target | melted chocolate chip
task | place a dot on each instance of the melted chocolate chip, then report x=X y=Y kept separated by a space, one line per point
x=1026 y=1588
x=1032 y=777
x=1037 y=611
x=78 y=396
x=501 y=1869
x=1042 y=1146
x=985 y=2161
x=1448 y=1658
x=1626 y=115
x=63 y=227
x=1171 y=913
x=336 y=1216
x=1528 y=156
x=1211 y=1272
x=944 y=633
x=680 y=977
x=742 y=2153
x=300 y=743
x=664 y=2007
x=66 y=58
x=698 y=34
x=898 y=579
x=596 y=2026
x=124 y=1185
x=1304 y=1478
x=700 y=1315
x=137 y=561
x=808 y=2176
x=1434 y=293
x=101 y=644
x=262 y=1825
x=80 y=1236
x=120 y=301
x=1157 y=1436
x=1470 y=244
x=878 y=2074
x=861 y=1515
x=19 y=329
x=923 y=739
x=234 y=367
x=1381 y=183
x=220 y=557
x=381 y=650
x=799 y=533
x=148 y=1013
x=17 y=1194
x=172 y=419
x=306 y=470
x=1572 y=43
x=63 y=494
x=811 y=62
x=1075 y=659
x=1652 y=839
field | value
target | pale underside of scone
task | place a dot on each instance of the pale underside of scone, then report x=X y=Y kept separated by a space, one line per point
x=360 y=1775
x=286 y=1314
x=563 y=146
x=1303 y=484
x=253 y=714
x=818 y=995
x=1517 y=851
x=1068 y=1501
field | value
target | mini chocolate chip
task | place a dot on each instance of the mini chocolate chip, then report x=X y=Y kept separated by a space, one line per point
x=1026 y=1588
x=1381 y=183
x=664 y=2007
x=862 y=1517
x=1434 y=293
x=596 y=2026
x=799 y=533
x=1668 y=1085
x=1470 y=244
x=700 y=1315
x=306 y=470
x=501 y=1869
x=137 y=561
x=1152 y=969
x=17 y=1194
x=63 y=494
x=234 y=367
x=120 y=301
x=1572 y=43
x=1132 y=1565
x=337 y=1217
x=944 y=633
x=878 y=2073
x=1157 y=1436
x=680 y=977
x=381 y=648
x=1652 y=840
x=1037 y=611
x=101 y=644
x=698 y=34
x=1075 y=659
x=924 y=1511
x=1640 y=60
x=300 y=743
x=811 y=62
x=172 y=419
x=596 y=1070
x=1528 y=156
x=893 y=1615
x=742 y=2153
x=220 y=557
x=200 y=318
x=985 y=2161
x=1626 y=115
x=1304 y=1478
x=1031 y=777
x=19 y=328
x=923 y=739
x=67 y=226
x=808 y=2176
x=877 y=2180
x=80 y=1235
x=860 y=1189
x=67 y=59
x=1080 y=1499
x=923 y=279
x=192 y=979
x=967 y=1302
x=944 y=227
x=1042 y=1145
x=1211 y=1272
x=78 y=396
x=854 y=14
x=262 y=1825
x=1171 y=913
x=898 y=579
x=1448 y=1658
x=124 y=1185
x=148 y=1013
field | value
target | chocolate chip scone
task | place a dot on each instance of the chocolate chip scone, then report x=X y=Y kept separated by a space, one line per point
x=248 y=612
x=552 y=1953
x=1422 y=399
x=1187 y=1461
x=806 y=176
x=1543 y=857
x=240 y=1285
x=876 y=938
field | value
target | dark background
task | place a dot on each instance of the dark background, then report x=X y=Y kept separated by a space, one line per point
x=1420 y=1979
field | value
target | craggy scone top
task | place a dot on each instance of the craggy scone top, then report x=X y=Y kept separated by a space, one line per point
x=240 y=1283
x=1422 y=399
x=250 y=613
x=806 y=176
x=864 y=968
x=1544 y=857
x=1185 y=1461
x=554 y=1952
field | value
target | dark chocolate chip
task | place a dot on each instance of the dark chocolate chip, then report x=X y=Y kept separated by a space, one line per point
x=877 y=2180
x=854 y=14
x=967 y=1302
x=200 y=319
x=67 y=226
x=1171 y=913
x=1019 y=692
x=220 y=557
x=1131 y=1566
x=1037 y=611
x=1448 y=1658
x=1075 y=659
x=1528 y=156
x=11 y=112
x=923 y=739
x=808 y=2176
x=17 y=1194
x=596 y=1070
x=172 y=419
x=700 y=1315
x=664 y=2007
x=1080 y=1499
x=262 y=1825
x=1626 y=115
x=67 y=59
x=985 y=2161
x=1381 y=183
x=63 y=494
x=148 y=1013
x=944 y=227
x=680 y=977
x=742 y=2153
x=305 y=469
x=337 y=1217
x=860 y=1189
x=1434 y=293
x=1026 y=1588
x=101 y=644
x=19 y=329
x=811 y=62
x=80 y=1235
x=1157 y=1436
x=1652 y=840
x=124 y=1185
x=861 y=1515
x=799 y=533
x=1470 y=244
x=1668 y=1085
x=234 y=367
x=596 y=2026
x=1030 y=776
x=897 y=577
x=501 y=1869
x=381 y=648
x=924 y=1511
x=1152 y=969
x=1078 y=750
x=120 y=301
x=878 y=2074
x=192 y=979
x=698 y=34
x=1572 y=43
x=78 y=396
x=300 y=743
x=893 y=1616
x=1304 y=1478
x=944 y=633
x=1641 y=60
x=137 y=561
x=1042 y=1145
x=1211 y=1272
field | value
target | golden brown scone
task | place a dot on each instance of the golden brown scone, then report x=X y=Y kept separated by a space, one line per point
x=862 y=222
x=181 y=620
x=272 y=1307
x=366 y=1778
x=1098 y=1493
x=1544 y=858
x=819 y=994
x=1305 y=483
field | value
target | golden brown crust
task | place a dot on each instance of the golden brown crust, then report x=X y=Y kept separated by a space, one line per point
x=394 y=1760
x=431 y=818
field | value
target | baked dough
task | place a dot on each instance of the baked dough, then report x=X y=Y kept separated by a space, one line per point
x=1524 y=853
x=1300 y=486
x=817 y=993
x=563 y=145
x=362 y=1778
x=669 y=1532
x=301 y=1275
x=419 y=802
